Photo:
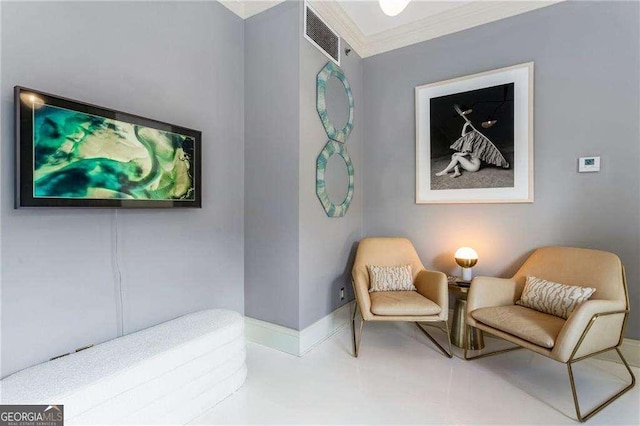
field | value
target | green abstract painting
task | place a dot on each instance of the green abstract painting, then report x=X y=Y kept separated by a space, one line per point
x=79 y=155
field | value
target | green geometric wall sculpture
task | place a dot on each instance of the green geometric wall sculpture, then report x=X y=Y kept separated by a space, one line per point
x=337 y=139
x=333 y=148
x=331 y=69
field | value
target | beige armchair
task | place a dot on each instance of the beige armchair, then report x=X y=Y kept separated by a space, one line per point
x=594 y=327
x=428 y=306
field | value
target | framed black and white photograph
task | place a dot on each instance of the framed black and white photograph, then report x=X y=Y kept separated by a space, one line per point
x=474 y=138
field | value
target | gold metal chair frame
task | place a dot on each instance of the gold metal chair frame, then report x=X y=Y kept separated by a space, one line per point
x=572 y=360
x=358 y=340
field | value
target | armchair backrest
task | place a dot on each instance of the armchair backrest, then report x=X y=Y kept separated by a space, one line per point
x=577 y=266
x=381 y=251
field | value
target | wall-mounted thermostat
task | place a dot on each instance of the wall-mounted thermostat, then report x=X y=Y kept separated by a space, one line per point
x=588 y=164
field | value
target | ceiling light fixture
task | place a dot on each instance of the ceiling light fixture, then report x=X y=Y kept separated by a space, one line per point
x=393 y=7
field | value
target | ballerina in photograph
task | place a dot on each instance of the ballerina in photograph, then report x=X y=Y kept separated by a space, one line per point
x=471 y=149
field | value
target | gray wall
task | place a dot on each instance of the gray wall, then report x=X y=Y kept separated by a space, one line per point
x=296 y=258
x=272 y=131
x=587 y=80
x=327 y=245
x=179 y=62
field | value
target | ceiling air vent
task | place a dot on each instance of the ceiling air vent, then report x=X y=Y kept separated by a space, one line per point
x=321 y=35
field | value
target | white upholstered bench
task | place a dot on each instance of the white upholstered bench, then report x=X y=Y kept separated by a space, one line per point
x=166 y=374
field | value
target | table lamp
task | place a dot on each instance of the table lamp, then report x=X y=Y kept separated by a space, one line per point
x=466 y=257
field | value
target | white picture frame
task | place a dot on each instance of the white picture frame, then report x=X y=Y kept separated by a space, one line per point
x=508 y=94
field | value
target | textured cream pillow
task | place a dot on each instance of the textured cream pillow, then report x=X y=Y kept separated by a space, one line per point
x=390 y=278
x=553 y=298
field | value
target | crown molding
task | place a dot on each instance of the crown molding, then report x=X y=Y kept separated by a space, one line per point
x=466 y=16
x=340 y=21
x=450 y=21
x=254 y=7
x=246 y=9
x=236 y=7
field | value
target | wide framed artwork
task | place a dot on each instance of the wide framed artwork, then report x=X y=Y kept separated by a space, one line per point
x=74 y=154
x=474 y=138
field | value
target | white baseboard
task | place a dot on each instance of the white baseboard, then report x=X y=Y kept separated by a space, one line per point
x=297 y=342
x=324 y=328
x=275 y=336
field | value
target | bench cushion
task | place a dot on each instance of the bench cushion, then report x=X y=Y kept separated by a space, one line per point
x=536 y=327
x=391 y=303
x=121 y=377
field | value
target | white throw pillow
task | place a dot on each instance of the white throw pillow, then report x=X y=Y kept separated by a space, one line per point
x=390 y=278
x=553 y=298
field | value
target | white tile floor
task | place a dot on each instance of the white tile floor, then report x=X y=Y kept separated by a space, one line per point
x=400 y=378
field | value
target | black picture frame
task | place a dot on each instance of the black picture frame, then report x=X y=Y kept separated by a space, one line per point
x=24 y=154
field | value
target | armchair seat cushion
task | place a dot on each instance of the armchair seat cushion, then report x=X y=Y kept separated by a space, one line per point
x=536 y=327
x=405 y=303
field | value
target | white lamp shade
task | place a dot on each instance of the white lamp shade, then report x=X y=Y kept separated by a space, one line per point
x=393 y=7
x=466 y=253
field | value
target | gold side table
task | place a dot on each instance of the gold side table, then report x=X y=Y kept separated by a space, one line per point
x=475 y=339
